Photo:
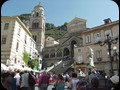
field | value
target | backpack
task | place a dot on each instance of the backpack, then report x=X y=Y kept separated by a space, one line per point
x=31 y=80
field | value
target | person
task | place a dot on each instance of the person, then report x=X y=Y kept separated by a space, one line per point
x=44 y=81
x=5 y=80
x=24 y=81
x=93 y=85
x=60 y=84
x=84 y=85
x=81 y=85
x=90 y=56
x=92 y=75
x=74 y=81
x=13 y=82
x=114 y=82
x=32 y=81
x=17 y=76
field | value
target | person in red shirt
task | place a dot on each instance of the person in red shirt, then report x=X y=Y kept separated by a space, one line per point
x=44 y=81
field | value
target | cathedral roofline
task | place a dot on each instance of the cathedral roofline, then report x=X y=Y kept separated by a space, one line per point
x=76 y=18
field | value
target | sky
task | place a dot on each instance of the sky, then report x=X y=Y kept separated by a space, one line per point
x=60 y=11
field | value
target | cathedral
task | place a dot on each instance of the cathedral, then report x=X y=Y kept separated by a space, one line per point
x=73 y=44
x=70 y=50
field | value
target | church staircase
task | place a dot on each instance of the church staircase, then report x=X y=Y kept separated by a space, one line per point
x=62 y=67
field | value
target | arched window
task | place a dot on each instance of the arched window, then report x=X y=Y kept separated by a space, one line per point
x=59 y=53
x=73 y=44
x=37 y=14
x=66 y=52
x=35 y=24
x=52 y=54
x=46 y=55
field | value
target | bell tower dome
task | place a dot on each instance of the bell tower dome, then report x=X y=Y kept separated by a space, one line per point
x=38 y=11
x=37 y=26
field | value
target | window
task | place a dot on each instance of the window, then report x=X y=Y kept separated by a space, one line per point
x=99 y=55
x=52 y=54
x=15 y=60
x=35 y=24
x=4 y=40
x=31 y=42
x=17 y=45
x=108 y=32
x=47 y=55
x=37 y=14
x=35 y=37
x=59 y=54
x=19 y=31
x=79 y=56
x=88 y=39
x=6 y=26
x=25 y=39
x=96 y=37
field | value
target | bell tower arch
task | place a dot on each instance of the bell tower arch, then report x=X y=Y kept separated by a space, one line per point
x=37 y=26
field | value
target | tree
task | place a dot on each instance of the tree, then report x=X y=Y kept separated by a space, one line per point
x=33 y=64
x=25 y=57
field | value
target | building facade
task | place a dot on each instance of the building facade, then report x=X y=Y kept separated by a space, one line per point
x=65 y=48
x=75 y=42
x=15 y=39
x=101 y=57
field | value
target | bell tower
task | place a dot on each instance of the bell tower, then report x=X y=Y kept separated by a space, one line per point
x=37 y=26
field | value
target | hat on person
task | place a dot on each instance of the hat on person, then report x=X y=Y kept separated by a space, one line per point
x=115 y=79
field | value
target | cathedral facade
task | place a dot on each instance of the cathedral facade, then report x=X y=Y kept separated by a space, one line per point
x=73 y=46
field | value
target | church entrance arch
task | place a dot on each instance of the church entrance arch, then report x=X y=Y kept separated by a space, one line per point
x=73 y=43
x=66 y=52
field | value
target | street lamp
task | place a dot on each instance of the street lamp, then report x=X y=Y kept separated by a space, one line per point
x=109 y=41
x=116 y=54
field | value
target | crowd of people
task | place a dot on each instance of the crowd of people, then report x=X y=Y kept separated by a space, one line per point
x=26 y=80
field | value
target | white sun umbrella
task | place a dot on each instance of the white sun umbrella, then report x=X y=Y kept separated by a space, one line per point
x=16 y=66
x=27 y=68
x=3 y=67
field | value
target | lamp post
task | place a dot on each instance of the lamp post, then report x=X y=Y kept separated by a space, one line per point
x=109 y=41
x=115 y=54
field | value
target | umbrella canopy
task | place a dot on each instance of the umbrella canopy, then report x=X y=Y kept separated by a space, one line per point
x=27 y=68
x=3 y=67
x=16 y=66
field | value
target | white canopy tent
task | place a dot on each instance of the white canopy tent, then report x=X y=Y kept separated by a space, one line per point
x=3 y=67
x=15 y=66
x=27 y=68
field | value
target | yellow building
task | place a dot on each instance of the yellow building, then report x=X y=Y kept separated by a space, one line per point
x=101 y=58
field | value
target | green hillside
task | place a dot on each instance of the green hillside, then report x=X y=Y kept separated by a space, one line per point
x=55 y=32
x=50 y=29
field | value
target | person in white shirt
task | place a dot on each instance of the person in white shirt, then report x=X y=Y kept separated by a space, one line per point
x=24 y=81
x=74 y=81
x=17 y=76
